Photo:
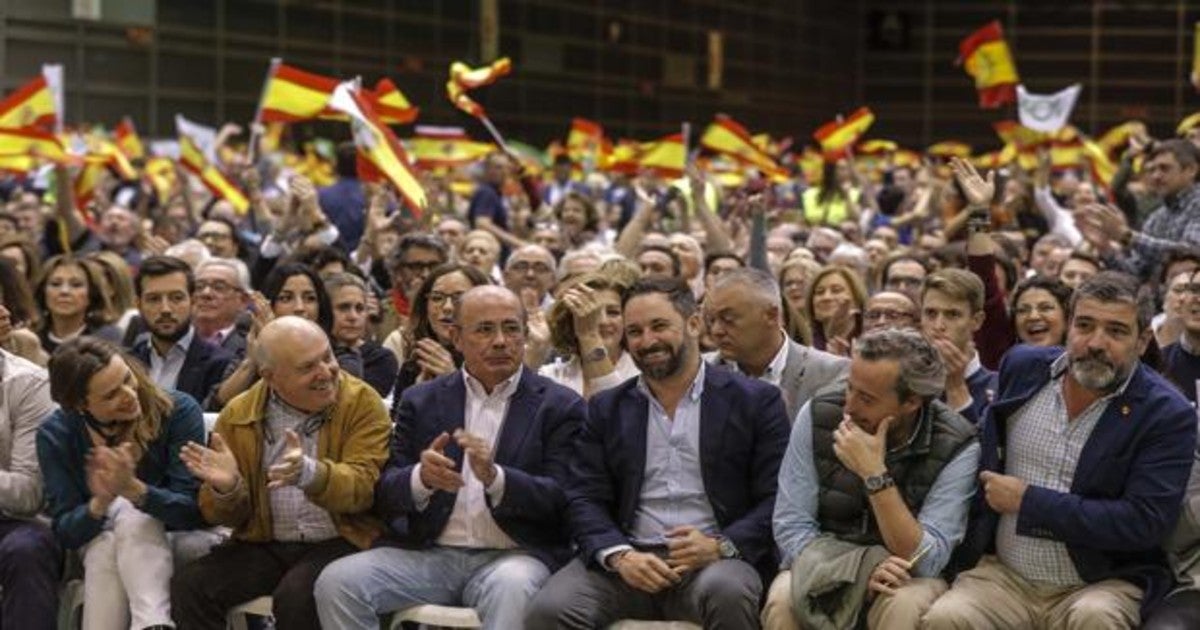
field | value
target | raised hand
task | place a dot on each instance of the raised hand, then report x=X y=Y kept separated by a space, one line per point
x=979 y=191
x=215 y=466
x=433 y=359
x=437 y=470
x=585 y=310
x=291 y=462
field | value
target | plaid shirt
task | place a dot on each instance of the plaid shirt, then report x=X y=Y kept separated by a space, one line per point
x=293 y=517
x=1043 y=450
x=1173 y=225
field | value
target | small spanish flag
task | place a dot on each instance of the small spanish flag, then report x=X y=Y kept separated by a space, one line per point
x=127 y=139
x=585 y=140
x=35 y=104
x=435 y=147
x=464 y=78
x=192 y=159
x=986 y=57
x=30 y=141
x=1117 y=137
x=876 y=147
x=665 y=155
x=949 y=149
x=391 y=104
x=291 y=94
x=727 y=137
x=380 y=154
x=837 y=136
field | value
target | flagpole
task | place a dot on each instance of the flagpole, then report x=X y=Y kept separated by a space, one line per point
x=256 y=124
x=487 y=122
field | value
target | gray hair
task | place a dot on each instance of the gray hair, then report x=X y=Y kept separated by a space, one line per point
x=537 y=249
x=341 y=280
x=572 y=256
x=1110 y=287
x=237 y=266
x=756 y=280
x=921 y=372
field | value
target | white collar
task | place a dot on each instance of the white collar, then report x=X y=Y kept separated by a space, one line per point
x=503 y=389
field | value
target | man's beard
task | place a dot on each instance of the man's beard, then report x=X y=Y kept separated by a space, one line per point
x=1096 y=372
x=175 y=335
x=666 y=369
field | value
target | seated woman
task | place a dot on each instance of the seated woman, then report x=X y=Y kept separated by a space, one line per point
x=429 y=348
x=834 y=307
x=347 y=293
x=70 y=296
x=114 y=482
x=587 y=327
x=1040 y=311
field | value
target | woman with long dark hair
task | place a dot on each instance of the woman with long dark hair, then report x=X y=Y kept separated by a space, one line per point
x=71 y=300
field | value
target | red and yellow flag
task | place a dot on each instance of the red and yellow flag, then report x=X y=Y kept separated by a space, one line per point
x=380 y=153
x=291 y=94
x=986 y=57
x=32 y=142
x=1100 y=164
x=464 y=78
x=665 y=155
x=876 y=147
x=438 y=147
x=837 y=136
x=192 y=159
x=391 y=104
x=160 y=171
x=585 y=140
x=727 y=137
x=127 y=139
x=949 y=149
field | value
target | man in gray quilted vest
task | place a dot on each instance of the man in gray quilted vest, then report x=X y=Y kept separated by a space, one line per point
x=873 y=492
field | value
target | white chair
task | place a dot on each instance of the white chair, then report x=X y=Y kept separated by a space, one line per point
x=637 y=624
x=437 y=616
x=235 y=619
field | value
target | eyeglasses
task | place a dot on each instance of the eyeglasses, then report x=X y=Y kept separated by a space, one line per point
x=523 y=266
x=416 y=265
x=886 y=315
x=217 y=286
x=437 y=297
x=1042 y=309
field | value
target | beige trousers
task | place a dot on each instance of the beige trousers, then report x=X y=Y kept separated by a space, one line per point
x=902 y=610
x=994 y=596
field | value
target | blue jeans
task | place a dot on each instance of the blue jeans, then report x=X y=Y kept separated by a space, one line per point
x=354 y=591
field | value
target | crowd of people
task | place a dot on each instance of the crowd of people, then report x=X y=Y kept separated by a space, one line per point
x=897 y=395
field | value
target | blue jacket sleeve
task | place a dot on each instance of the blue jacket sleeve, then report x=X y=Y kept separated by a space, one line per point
x=393 y=492
x=751 y=533
x=1149 y=504
x=65 y=488
x=542 y=496
x=590 y=492
x=174 y=503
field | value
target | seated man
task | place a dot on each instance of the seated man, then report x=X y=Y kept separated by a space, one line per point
x=175 y=357
x=884 y=465
x=485 y=534
x=672 y=483
x=951 y=314
x=292 y=470
x=29 y=555
x=1086 y=454
x=744 y=313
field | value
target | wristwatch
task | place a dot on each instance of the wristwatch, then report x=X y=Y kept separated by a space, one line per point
x=879 y=483
x=595 y=354
x=727 y=549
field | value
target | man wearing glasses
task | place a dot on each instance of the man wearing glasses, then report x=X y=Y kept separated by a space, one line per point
x=889 y=309
x=530 y=273
x=1182 y=358
x=221 y=295
x=904 y=274
x=415 y=257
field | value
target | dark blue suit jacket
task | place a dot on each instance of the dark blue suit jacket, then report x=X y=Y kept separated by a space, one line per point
x=203 y=367
x=743 y=435
x=534 y=448
x=1128 y=485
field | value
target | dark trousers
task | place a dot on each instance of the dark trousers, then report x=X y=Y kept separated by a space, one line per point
x=30 y=565
x=203 y=591
x=723 y=595
x=1179 y=611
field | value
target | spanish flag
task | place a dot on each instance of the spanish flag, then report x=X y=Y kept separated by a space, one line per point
x=837 y=136
x=438 y=147
x=986 y=57
x=949 y=149
x=160 y=171
x=35 y=104
x=1013 y=132
x=1099 y=163
x=727 y=137
x=291 y=94
x=192 y=159
x=33 y=142
x=585 y=140
x=380 y=153
x=665 y=155
x=458 y=96
x=464 y=78
x=127 y=139
x=391 y=104
x=876 y=147
x=623 y=158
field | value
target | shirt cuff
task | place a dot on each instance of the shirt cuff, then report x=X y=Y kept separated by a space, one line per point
x=308 y=472
x=420 y=494
x=603 y=555
x=495 y=491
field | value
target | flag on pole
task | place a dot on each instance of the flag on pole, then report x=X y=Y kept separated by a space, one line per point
x=380 y=153
x=986 y=57
x=725 y=135
x=464 y=78
x=435 y=147
x=128 y=140
x=837 y=136
x=665 y=155
x=38 y=103
x=291 y=94
x=203 y=137
x=1046 y=112
x=192 y=158
x=392 y=106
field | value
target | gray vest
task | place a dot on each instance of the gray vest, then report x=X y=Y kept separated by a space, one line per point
x=843 y=507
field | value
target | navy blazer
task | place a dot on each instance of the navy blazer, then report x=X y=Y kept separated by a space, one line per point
x=203 y=367
x=743 y=434
x=1128 y=485
x=533 y=447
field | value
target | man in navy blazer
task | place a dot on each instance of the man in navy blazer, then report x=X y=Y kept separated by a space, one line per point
x=473 y=493
x=173 y=354
x=672 y=484
x=1086 y=456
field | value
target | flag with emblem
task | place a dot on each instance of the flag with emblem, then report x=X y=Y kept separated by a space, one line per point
x=380 y=152
x=986 y=57
x=192 y=158
x=38 y=103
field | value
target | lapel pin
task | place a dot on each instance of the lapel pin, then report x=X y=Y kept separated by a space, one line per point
x=1125 y=410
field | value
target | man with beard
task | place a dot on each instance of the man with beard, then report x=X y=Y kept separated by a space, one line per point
x=176 y=358
x=1086 y=456
x=672 y=485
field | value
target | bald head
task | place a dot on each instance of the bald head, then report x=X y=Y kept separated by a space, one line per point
x=489 y=331
x=486 y=294
x=286 y=336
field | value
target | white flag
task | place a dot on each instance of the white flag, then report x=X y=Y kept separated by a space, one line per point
x=53 y=73
x=204 y=137
x=1046 y=112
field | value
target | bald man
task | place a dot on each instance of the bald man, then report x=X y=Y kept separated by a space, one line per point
x=291 y=468
x=473 y=493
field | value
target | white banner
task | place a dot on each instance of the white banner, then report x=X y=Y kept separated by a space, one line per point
x=205 y=137
x=1046 y=112
x=53 y=72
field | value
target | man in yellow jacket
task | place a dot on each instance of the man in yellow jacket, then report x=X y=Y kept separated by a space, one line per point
x=291 y=468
